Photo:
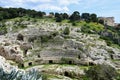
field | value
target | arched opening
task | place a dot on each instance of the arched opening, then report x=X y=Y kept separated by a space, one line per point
x=12 y=51
x=38 y=56
x=50 y=62
x=70 y=62
x=111 y=56
x=66 y=73
x=91 y=64
x=20 y=37
x=25 y=53
x=15 y=48
x=79 y=57
x=22 y=65
x=30 y=63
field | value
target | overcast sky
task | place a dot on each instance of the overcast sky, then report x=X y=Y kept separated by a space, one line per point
x=106 y=8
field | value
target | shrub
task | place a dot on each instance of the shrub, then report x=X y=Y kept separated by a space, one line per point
x=3 y=30
x=23 y=26
x=66 y=31
x=74 y=24
x=101 y=72
x=44 y=38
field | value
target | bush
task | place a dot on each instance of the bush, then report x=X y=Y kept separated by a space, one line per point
x=23 y=26
x=101 y=72
x=58 y=19
x=45 y=38
x=74 y=24
x=66 y=31
x=3 y=30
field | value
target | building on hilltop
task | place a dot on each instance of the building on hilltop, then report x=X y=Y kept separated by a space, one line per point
x=107 y=20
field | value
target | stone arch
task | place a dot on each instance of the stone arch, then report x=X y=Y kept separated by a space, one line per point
x=30 y=63
x=22 y=65
x=79 y=56
x=25 y=53
x=50 y=61
x=112 y=57
x=91 y=64
x=66 y=73
x=20 y=37
x=70 y=62
x=38 y=56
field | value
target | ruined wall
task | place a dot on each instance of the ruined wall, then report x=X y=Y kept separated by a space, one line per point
x=108 y=20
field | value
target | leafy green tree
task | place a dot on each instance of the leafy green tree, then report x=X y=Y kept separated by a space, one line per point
x=58 y=17
x=86 y=17
x=39 y=14
x=1 y=17
x=65 y=16
x=51 y=13
x=57 y=14
x=43 y=13
x=75 y=16
x=93 y=18
x=5 y=15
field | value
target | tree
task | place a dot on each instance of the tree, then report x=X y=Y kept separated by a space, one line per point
x=1 y=17
x=58 y=17
x=75 y=16
x=39 y=14
x=43 y=13
x=57 y=14
x=65 y=16
x=93 y=17
x=51 y=13
x=5 y=15
x=86 y=17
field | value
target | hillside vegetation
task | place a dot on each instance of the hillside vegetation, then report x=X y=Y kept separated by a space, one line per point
x=58 y=45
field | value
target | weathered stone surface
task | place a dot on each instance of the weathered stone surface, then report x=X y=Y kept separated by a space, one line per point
x=44 y=42
x=5 y=65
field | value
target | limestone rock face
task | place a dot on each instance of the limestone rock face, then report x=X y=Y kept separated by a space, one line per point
x=10 y=53
x=5 y=65
x=25 y=46
x=45 y=43
x=10 y=49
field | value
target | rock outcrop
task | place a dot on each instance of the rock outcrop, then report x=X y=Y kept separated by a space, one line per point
x=44 y=42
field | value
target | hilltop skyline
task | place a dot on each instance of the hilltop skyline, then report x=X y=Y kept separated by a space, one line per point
x=103 y=8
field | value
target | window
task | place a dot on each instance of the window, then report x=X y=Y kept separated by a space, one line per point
x=65 y=73
x=50 y=61
x=30 y=63
x=70 y=62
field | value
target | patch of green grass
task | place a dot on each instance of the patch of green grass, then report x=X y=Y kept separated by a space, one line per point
x=116 y=60
x=115 y=46
x=92 y=28
x=54 y=76
x=65 y=21
x=84 y=67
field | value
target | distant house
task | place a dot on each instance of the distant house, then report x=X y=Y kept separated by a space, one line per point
x=107 y=20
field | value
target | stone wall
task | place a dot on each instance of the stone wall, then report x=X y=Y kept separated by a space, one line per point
x=108 y=20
